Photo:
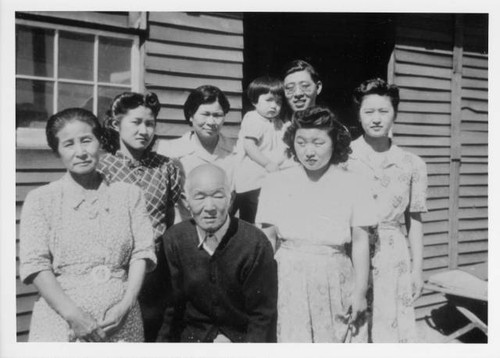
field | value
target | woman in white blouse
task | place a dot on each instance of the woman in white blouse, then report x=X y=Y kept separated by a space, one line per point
x=315 y=210
x=205 y=110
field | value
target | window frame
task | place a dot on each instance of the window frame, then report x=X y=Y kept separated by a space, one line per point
x=135 y=64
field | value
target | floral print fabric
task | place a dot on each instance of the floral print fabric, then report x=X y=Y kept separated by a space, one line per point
x=398 y=183
x=315 y=276
x=71 y=232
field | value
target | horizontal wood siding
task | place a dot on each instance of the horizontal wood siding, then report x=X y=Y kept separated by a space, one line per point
x=473 y=204
x=187 y=50
x=34 y=168
x=423 y=70
x=116 y=19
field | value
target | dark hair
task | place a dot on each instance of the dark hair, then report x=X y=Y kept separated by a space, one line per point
x=320 y=117
x=119 y=107
x=265 y=85
x=300 y=65
x=205 y=94
x=57 y=121
x=376 y=86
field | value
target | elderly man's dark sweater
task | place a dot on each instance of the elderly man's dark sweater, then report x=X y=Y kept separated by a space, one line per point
x=233 y=292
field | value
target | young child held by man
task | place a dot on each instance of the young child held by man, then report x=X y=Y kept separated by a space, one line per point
x=260 y=144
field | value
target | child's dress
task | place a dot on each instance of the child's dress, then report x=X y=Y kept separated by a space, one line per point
x=268 y=135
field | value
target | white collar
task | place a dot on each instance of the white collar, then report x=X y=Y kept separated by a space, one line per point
x=219 y=234
x=75 y=194
x=362 y=151
x=221 y=148
x=189 y=144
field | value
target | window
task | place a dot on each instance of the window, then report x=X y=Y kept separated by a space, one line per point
x=59 y=67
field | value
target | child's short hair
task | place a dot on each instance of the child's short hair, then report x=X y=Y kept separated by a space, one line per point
x=264 y=85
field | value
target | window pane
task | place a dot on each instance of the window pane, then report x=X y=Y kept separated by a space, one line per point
x=34 y=51
x=114 y=60
x=106 y=96
x=76 y=56
x=34 y=103
x=74 y=95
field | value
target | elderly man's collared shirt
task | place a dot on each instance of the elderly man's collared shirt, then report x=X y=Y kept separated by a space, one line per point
x=217 y=236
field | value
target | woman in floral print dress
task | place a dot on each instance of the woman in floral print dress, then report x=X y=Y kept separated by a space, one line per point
x=312 y=211
x=398 y=184
x=86 y=243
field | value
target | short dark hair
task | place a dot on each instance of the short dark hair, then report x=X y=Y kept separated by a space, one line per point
x=320 y=117
x=300 y=65
x=376 y=86
x=119 y=107
x=205 y=94
x=265 y=85
x=57 y=121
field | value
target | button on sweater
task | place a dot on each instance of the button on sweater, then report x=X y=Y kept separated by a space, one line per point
x=232 y=292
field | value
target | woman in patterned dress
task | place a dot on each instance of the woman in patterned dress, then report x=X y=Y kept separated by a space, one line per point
x=315 y=209
x=398 y=184
x=130 y=128
x=85 y=243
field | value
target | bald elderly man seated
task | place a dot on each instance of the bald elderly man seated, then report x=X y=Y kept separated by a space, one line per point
x=223 y=272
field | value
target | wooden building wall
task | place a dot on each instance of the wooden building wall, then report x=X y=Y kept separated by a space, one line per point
x=440 y=64
x=36 y=167
x=187 y=50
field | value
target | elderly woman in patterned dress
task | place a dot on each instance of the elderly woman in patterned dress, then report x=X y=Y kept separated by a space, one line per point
x=85 y=243
x=398 y=184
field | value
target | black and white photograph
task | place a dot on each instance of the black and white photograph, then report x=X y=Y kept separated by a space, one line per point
x=246 y=175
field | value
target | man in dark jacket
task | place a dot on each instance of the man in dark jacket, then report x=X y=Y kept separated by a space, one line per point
x=223 y=272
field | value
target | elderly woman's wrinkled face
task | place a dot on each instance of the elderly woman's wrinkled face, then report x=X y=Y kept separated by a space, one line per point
x=314 y=148
x=300 y=90
x=78 y=147
x=208 y=119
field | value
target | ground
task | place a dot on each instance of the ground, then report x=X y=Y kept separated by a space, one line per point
x=427 y=334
